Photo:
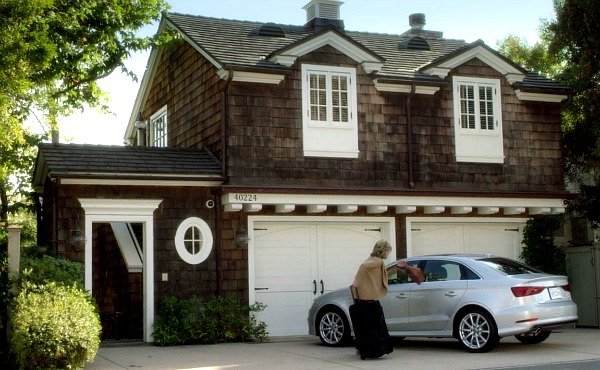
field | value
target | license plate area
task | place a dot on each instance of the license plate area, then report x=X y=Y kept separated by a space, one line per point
x=555 y=293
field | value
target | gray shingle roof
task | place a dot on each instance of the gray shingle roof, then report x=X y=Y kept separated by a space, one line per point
x=235 y=43
x=98 y=161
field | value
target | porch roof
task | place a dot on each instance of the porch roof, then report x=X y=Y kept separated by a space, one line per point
x=86 y=161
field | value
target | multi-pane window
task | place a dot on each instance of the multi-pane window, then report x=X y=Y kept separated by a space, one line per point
x=477 y=106
x=193 y=240
x=478 y=120
x=329 y=102
x=158 y=128
x=329 y=96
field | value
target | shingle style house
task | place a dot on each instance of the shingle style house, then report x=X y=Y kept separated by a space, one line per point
x=264 y=160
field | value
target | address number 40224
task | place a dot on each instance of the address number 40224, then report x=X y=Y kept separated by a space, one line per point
x=245 y=197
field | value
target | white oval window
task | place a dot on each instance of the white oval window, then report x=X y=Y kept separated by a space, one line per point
x=193 y=240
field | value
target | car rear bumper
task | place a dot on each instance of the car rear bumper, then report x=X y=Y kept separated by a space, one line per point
x=520 y=320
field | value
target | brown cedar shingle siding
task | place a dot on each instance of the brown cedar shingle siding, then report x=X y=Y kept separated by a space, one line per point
x=266 y=139
x=178 y=203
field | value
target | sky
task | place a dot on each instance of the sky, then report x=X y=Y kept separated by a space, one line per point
x=469 y=20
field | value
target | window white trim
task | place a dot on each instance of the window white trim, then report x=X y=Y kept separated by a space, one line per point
x=477 y=120
x=329 y=119
x=202 y=242
x=158 y=128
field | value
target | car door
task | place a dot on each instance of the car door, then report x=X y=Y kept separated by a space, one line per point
x=432 y=303
x=396 y=302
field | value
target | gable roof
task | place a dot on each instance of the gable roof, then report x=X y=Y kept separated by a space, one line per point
x=239 y=51
x=232 y=43
x=86 y=161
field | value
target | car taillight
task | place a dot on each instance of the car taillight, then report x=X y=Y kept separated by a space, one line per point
x=566 y=288
x=524 y=291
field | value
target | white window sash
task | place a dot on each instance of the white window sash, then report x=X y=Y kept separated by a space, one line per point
x=476 y=114
x=158 y=128
x=334 y=109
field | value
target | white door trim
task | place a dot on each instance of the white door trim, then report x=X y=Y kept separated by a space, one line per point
x=125 y=210
x=467 y=220
x=388 y=222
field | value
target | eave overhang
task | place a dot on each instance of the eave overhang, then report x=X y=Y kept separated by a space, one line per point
x=318 y=200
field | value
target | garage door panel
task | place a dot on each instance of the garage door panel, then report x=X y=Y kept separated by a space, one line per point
x=283 y=261
x=285 y=313
x=500 y=238
x=435 y=239
x=344 y=248
x=296 y=261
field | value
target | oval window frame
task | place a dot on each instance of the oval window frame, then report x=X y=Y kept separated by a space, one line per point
x=206 y=242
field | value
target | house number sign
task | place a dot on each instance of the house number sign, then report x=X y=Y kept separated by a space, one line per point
x=245 y=197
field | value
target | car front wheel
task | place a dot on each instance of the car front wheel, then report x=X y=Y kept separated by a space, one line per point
x=533 y=338
x=333 y=327
x=477 y=331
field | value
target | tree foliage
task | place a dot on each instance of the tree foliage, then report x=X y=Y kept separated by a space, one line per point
x=53 y=53
x=576 y=38
x=569 y=52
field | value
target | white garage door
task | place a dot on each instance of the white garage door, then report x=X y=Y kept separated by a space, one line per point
x=294 y=262
x=498 y=238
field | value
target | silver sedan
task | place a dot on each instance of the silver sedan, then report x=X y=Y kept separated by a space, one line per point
x=476 y=299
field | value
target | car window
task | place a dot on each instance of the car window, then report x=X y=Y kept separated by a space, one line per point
x=507 y=266
x=396 y=276
x=440 y=270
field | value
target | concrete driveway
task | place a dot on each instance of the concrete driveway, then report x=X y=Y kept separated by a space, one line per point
x=574 y=349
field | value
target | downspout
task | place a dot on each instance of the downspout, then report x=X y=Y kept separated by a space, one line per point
x=218 y=213
x=224 y=124
x=411 y=183
x=218 y=243
x=55 y=217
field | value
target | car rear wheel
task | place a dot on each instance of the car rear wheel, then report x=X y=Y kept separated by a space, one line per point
x=533 y=338
x=477 y=331
x=333 y=327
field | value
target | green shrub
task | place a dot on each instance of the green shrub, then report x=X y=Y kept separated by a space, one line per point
x=48 y=269
x=54 y=327
x=539 y=250
x=218 y=320
x=177 y=322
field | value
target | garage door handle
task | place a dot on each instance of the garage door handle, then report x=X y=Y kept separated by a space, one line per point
x=322 y=287
x=314 y=287
x=261 y=288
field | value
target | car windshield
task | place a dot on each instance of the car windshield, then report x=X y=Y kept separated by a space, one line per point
x=508 y=267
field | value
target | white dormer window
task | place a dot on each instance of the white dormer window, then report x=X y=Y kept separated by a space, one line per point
x=158 y=128
x=330 y=127
x=477 y=120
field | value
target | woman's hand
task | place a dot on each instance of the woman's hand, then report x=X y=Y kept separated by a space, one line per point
x=402 y=265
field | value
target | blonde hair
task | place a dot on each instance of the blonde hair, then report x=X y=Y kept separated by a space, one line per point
x=380 y=248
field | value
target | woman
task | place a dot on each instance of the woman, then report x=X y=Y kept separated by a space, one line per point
x=370 y=284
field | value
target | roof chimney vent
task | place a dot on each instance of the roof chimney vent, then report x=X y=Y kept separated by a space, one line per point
x=416 y=21
x=321 y=14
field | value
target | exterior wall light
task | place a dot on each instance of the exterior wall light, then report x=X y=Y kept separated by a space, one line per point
x=77 y=237
x=241 y=235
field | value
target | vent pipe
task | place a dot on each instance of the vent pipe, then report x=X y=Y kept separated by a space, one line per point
x=416 y=21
